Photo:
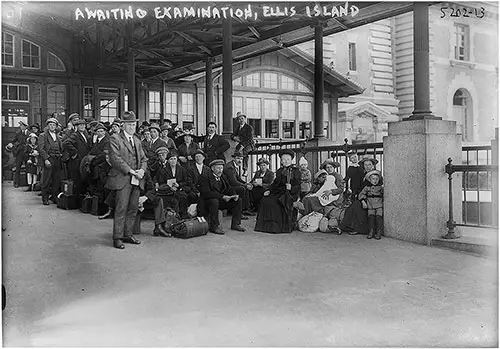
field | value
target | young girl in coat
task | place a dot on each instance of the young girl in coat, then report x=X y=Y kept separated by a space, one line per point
x=305 y=178
x=372 y=199
x=32 y=167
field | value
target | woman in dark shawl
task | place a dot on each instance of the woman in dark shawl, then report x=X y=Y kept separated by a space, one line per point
x=276 y=213
x=356 y=218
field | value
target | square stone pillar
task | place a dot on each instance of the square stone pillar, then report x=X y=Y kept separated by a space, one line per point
x=416 y=199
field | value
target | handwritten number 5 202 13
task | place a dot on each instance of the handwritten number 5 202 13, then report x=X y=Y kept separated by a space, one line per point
x=462 y=12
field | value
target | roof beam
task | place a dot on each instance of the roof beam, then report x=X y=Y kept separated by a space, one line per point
x=193 y=41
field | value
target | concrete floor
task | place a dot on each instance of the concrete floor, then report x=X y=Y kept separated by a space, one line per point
x=66 y=286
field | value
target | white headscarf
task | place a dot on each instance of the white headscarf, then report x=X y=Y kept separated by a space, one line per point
x=303 y=161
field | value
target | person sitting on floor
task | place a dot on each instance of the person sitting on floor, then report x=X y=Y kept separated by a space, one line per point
x=216 y=194
x=261 y=182
x=174 y=184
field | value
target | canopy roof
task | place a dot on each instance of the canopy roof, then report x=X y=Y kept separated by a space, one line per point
x=173 y=40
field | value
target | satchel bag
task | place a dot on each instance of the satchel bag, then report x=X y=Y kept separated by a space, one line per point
x=190 y=228
x=171 y=218
x=310 y=223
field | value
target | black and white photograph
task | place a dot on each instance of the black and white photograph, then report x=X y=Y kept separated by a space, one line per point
x=250 y=174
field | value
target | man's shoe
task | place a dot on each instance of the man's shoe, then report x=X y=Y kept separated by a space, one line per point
x=45 y=202
x=244 y=218
x=117 y=243
x=53 y=200
x=160 y=231
x=39 y=194
x=218 y=231
x=353 y=233
x=248 y=213
x=107 y=214
x=237 y=228
x=16 y=185
x=30 y=188
x=131 y=240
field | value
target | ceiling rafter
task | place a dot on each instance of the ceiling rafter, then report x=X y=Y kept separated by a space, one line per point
x=193 y=41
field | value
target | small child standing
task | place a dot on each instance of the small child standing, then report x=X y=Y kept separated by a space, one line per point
x=305 y=183
x=372 y=199
x=354 y=176
x=32 y=167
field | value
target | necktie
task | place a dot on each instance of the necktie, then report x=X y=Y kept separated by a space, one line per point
x=131 y=141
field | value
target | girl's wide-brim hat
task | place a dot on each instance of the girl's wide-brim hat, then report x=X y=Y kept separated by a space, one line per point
x=373 y=172
x=155 y=126
x=368 y=158
x=287 y=152
x=329 y=162
x=262 y=161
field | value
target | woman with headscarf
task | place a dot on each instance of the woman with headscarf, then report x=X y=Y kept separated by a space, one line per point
x=276 y=213
x=355 y=220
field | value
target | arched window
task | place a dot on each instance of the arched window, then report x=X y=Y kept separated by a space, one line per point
x=54 y=63
x=462 y=114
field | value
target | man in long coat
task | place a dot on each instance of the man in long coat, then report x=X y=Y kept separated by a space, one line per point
x=50 y=148
x=126 y=177
x=214 y=145
x=78 y=145
x=19 y=146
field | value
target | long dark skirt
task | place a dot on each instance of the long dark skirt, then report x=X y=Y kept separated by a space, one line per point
x=272 y=216
x=355 y=219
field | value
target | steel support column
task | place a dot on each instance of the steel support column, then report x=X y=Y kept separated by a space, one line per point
x=132 y=95
x=227 y=77
x=421 y=92
x=319 y=84
x=209 y=91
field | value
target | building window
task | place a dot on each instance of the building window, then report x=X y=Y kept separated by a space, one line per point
x=56 y=99
x=7 y=50
x=271 y=80
x=253 y=80
x=287 y=83
x=54 y=63
x=461 y=42
x=15 y=93
x=326 y=129
x=12 y=116
x=88 y=102
x=257 y=126
x=171 y=106
x=253 y=114
x=108 y=109
x=187 y=108
x=303 y=88
x=272 y=129
x=305 y=130
x=352 y=56
x=462 y=114
x=271 y=109
x=154 y=105
x=288 y=129
x=31 y=55
x=238 y=81
x=305 y=118
x=288 y=110
x=237 y=105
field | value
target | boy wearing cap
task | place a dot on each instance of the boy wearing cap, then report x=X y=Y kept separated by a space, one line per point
x=50 y=148
x=152 y=146
x=216 y=194
x=372 y=199
x=18 y=149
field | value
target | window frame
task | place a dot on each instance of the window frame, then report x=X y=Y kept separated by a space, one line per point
x=174 y=101
x=183 y=94
x=13 y=50
x=39 y=55
x=352 y=57
x=284 y=76
x=57 y=59
x=252 y=75
x=156 y=103
x=466 y=46
x=17 y=100
x=91 y=110
x=270 y=75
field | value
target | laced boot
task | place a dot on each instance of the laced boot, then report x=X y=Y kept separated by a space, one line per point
x=380 y=226
x=371 y=226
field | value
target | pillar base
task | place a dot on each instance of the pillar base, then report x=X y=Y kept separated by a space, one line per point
x=416 y=195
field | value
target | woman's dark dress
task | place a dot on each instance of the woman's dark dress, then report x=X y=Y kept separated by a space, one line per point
x=276 y=210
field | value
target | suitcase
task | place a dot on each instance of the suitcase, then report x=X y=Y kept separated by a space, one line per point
x=23 y=179
x=67 y=202
x=94 y=209
x=86 y=204
x=67 y=187
x=190 y=228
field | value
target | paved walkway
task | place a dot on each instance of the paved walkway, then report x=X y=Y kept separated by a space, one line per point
x=67 y=287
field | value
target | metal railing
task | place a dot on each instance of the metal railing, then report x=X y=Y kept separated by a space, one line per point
x=478 y=206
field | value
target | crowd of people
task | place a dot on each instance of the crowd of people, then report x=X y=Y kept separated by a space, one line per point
x=173 y=172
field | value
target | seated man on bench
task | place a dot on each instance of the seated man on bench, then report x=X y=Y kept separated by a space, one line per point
x=216 y=194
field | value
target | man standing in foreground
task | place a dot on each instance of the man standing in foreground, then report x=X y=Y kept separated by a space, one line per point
x=126 y=177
